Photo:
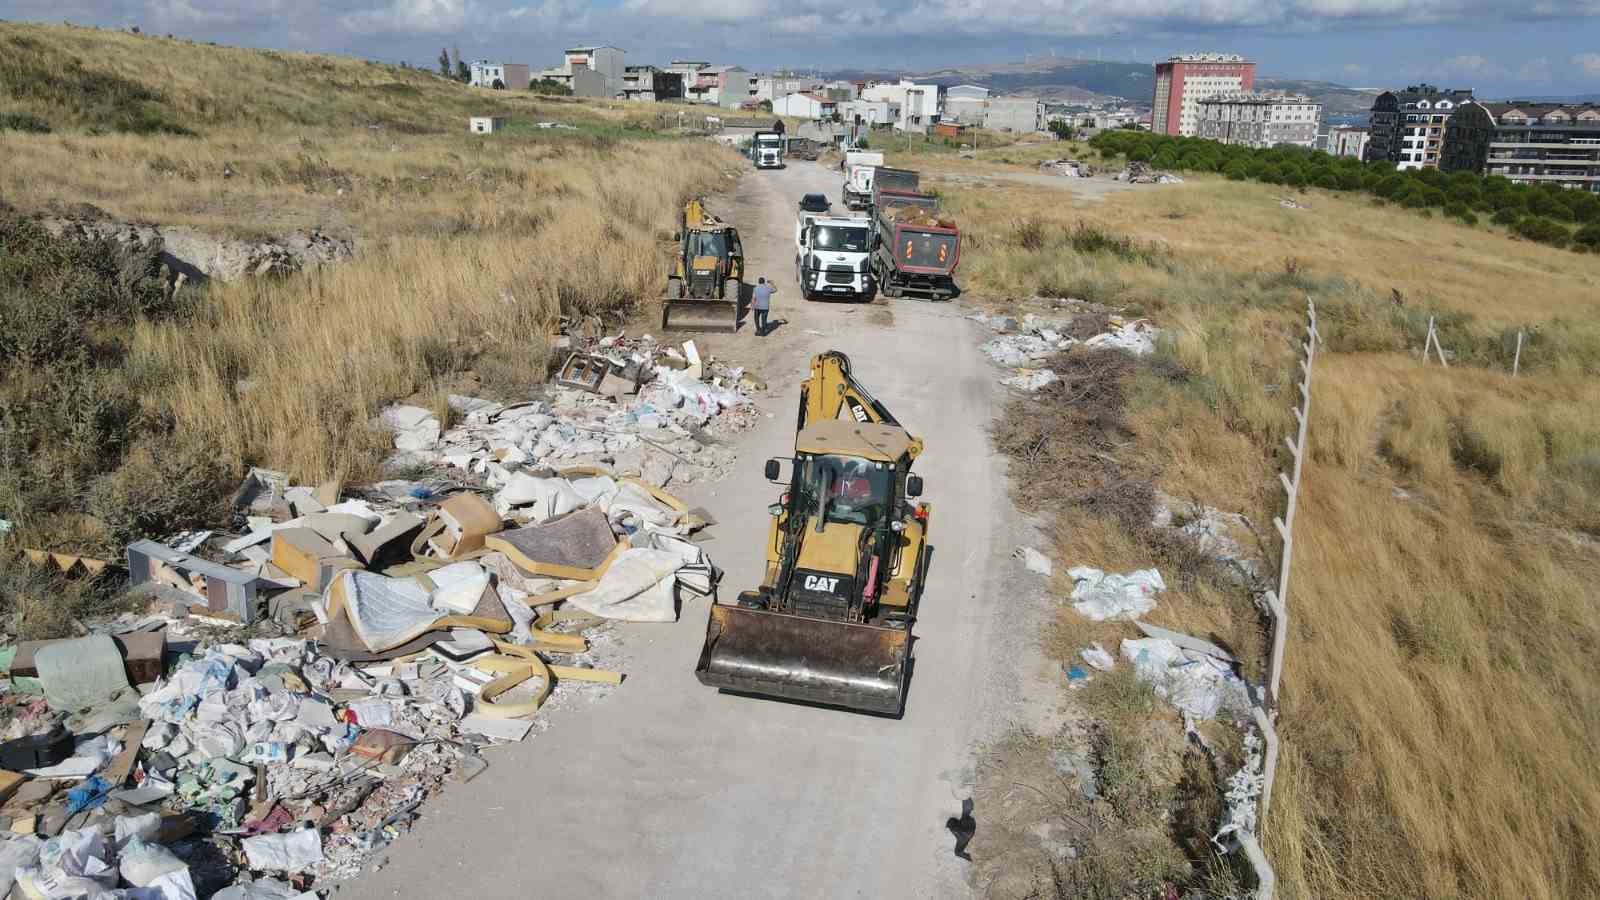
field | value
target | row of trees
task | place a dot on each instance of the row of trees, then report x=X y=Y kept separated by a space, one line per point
x=1544 y=213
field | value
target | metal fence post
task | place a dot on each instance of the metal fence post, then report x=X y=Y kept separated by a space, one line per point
x=1516 y=361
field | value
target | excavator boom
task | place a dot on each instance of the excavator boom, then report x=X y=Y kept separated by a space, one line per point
x=832 y=392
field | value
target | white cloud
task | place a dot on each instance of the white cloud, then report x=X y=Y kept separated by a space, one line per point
x=1588 y=63
x=411 y=17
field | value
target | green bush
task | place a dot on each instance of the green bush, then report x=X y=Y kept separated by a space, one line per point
x=23 y=122
x=1543 y=231
x=1506 y=216
x=1588 y=237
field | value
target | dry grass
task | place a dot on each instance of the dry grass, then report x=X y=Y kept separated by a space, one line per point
x=470 y=249
x=289 y=373
x=1439 y=707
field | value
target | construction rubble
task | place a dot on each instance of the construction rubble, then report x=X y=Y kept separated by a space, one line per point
x=292 y=692
x=1141 y=173
x=1022 y=344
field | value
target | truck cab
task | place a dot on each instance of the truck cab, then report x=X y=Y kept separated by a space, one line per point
x=766 y=150
x=833 y=257
x=860 y=166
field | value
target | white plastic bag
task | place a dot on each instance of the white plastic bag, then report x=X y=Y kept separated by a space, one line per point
x=1099 y=596
x=141 y=862
x=290 y=852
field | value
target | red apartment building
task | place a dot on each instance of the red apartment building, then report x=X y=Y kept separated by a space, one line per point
x=1183 y=81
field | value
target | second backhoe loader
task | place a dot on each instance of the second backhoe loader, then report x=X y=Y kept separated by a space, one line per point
x=847 y=561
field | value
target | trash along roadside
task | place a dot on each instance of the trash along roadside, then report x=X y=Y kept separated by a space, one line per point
x=1022 y=344
x=296 y=690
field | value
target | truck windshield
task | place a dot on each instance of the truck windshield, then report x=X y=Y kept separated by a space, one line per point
x=834 y=237
x=855 y=491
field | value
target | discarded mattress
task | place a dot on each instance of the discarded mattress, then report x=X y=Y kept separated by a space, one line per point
x=579 y=546
x=384 y=613
x=641 y=585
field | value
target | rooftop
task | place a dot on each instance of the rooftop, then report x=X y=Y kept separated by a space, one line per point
x=1207 y=57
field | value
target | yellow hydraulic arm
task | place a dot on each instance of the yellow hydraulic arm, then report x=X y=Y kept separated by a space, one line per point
x=833 y=393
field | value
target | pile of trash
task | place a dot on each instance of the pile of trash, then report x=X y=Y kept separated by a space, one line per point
x=1194 y=675
x=1141 y=173
x=1022 y=343
x=294 y=692
x=1067 y=168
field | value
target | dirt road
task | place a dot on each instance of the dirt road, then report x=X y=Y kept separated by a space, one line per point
x=670 y=789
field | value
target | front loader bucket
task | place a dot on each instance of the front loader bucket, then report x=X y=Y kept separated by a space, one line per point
x=699 y=315
x=781 y=655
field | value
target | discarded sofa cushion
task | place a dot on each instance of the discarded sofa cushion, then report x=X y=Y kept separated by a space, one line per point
x=389 y=543
x=580 y=545
x=457 y=528
x=141 y=650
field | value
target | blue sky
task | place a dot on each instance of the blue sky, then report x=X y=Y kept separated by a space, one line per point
x=1496 y=48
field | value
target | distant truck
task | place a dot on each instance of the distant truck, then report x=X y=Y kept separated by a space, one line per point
x=915 y=248
x=766 y=149
x=833 y=257
x=858 y=171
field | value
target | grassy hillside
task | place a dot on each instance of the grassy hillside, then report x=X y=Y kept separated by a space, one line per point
x=470 y=249
x=1438 y=694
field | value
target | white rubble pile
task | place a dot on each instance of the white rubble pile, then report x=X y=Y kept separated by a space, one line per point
x=660 y=434
x=1022 y=343
x=1198 y=684
x=1100 y=596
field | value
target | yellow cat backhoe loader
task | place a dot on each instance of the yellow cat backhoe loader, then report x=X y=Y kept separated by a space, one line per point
x=707 y=277
x=847 y=559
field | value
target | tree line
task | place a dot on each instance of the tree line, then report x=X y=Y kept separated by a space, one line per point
x=1544 y=213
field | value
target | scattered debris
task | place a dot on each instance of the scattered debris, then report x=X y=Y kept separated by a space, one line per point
x=1198 y=684
x=340 y=654
x=1022 y=343
x=1030 y=380
x=1099 y=596
x=1067 y=168
x=1098 y=657
x=1142 y=173
x=1035 y=561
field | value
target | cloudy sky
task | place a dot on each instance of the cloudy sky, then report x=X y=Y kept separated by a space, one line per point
x=1497 y=48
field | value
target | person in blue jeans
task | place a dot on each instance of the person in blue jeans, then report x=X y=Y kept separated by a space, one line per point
x=761 y=302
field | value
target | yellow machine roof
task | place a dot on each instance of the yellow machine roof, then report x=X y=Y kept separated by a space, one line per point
x=883 y=443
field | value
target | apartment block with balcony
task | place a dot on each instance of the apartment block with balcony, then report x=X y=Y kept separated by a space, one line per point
x=1407 y=127
x=1258 y=119
x=1529 y=143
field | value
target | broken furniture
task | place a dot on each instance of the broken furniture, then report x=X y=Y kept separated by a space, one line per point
x=228 y=593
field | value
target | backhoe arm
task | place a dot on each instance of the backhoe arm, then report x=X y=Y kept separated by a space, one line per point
x=833 y=393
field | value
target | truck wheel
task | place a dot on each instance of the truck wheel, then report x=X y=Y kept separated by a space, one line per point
x=869 y=296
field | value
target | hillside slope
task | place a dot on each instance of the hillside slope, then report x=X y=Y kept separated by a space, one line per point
x=469 y=249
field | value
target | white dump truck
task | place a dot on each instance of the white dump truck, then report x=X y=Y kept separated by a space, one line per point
x=833 y=257
x=767 y=150
x=859 y=166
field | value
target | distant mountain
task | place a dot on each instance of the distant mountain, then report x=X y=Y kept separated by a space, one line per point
x=1091 y=81
x=1570 y=98
x=1336 y=99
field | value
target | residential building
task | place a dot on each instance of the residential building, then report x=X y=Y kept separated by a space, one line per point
x=1020 y=115
x=1407 y=127
x=918 y=103
x=771 y=87
x=1347 y=140
x=1183 y=81
x=651 y=84
x=1529 y=143
x=589 y=83
x=870 y=113
x=1259 y=119
x=499 y=75
x=805 y=105
x=608 y=62
x=841 y=91
x=965 y=103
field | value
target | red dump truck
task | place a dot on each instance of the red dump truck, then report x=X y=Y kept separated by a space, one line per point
x=916 y=248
